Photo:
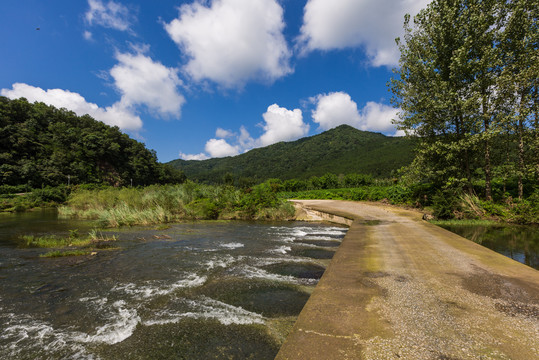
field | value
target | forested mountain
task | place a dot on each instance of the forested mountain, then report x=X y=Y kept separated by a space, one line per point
x=41 y=145
x=342 y=150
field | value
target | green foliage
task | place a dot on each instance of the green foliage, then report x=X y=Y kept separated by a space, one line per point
x=58 y=253
x=342 y=150
x=468 y=80
x=395 y=194
x=166 y=203
x=43 y=146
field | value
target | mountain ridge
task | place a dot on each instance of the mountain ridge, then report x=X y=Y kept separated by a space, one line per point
x=341 y=150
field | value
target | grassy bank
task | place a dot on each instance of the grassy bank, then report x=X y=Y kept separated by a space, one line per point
x=156 y=204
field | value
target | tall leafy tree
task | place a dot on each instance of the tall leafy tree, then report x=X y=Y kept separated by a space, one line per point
x=518 y=83
x=468 y=75
x=431 y=90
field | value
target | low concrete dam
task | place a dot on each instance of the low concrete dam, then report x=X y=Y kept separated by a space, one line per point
x=401 y=288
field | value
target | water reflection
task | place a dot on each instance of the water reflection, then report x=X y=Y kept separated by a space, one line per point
x=520 y=243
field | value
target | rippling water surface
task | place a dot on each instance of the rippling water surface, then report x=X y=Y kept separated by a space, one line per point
x=207 y=290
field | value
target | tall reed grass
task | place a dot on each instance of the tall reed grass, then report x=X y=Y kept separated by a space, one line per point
x=168 y=203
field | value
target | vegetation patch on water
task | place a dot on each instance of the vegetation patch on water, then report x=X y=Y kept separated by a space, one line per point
x=80 y=246
x=114 y=207
x=58 y=253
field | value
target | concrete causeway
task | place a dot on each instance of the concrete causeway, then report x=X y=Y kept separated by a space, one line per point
x=401 y=288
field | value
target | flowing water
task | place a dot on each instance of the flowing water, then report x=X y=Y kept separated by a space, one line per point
x=520 y=243
x=206 y=290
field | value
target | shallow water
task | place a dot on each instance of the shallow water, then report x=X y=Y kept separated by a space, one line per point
x=207 y=290
x=520 y=243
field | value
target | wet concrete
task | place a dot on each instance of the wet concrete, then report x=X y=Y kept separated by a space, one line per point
x=401 y=288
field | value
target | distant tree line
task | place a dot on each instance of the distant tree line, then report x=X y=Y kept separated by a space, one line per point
x=41 y=145
x=467 y=86
x=326 y=181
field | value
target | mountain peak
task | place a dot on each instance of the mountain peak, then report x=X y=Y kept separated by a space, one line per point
x=341 y=150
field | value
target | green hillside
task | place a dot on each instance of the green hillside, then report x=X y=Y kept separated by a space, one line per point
x=41 y=145
x=342 y=150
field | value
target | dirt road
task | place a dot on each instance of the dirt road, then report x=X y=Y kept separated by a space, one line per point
x=401 y=288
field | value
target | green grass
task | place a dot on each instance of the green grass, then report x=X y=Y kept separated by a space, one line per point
x=80 y=245
x=53 y=241
x=395 y=194
x=466 y=222
x=58 y=253
x=153 y=205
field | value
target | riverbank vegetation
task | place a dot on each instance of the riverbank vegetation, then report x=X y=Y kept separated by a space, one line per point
x=467 y=90
x=443 y=204
x=156 y=204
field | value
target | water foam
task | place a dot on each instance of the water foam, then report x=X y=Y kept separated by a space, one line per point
x=159 y=288
x=232 y=245
x=26 y=335
x=122 y=326
x=251 y=272
x=222 y=262
x=207 y=308
x=281 y=250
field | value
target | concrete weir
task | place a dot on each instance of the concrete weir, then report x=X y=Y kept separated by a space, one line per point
x=401 y=288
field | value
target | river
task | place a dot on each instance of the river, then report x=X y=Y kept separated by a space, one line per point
x=205 y=290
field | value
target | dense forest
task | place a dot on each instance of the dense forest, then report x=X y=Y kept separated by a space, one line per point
x=342 y=150
x=44 y=146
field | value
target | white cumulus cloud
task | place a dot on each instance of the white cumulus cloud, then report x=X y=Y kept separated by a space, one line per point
x=338 y=108
x=282 y=124
x=335 y=109
x=223 y=134
x=221 y=148
x=200 y=156
x=110 y=15
x=115 y=115
x=232 y=41
x=142 y=81
x=372 y=24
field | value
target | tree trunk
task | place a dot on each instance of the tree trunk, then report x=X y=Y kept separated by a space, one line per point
x=466 y=158
x=520 y=157
x=488 y=188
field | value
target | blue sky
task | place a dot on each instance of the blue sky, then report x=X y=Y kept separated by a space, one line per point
x=207 y=78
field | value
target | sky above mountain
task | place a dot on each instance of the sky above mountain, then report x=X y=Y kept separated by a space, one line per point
x=207 y=78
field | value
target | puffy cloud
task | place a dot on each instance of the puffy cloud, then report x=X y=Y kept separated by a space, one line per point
x=335 y=109
x=377 y=117
x=338 y=108
x=282 y=125
x=87 y=35
x=223 y=134
x=232 y=41
x=139 y=79
x=115 y=115
x=110 y=15
x=142 y=81
x=200 y=156
x=338 y=24
x=220 y=148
